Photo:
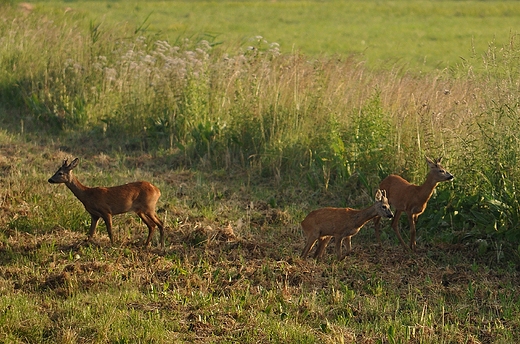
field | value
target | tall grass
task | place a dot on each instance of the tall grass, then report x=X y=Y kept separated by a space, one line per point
x=328 y=122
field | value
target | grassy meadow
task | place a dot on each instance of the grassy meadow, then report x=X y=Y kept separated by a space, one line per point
x=245 y=134
x=420 y=35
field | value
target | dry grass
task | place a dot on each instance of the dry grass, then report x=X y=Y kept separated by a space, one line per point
x=221 y=287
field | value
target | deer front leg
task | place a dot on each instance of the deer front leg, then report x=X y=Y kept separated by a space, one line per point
x=93 y=225
x=395 y=226
x=349 y=247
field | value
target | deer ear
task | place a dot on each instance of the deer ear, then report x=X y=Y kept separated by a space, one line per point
x=379 y=195
x=73 y=164
x=430 y=162
x=438 y=160
x=64 y=163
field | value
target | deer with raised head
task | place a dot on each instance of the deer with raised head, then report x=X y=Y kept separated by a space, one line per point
x=104 y=202
x=410 y=198
x=323 y=224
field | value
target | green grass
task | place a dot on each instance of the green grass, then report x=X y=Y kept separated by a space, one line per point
x=422 y=35
x=243 y=144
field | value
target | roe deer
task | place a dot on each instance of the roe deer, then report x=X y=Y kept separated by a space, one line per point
x=323 y=224
x=410 y=198
x=139 y=197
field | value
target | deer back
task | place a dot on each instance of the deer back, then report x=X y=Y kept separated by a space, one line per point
x=328 y=221
x=137 y=196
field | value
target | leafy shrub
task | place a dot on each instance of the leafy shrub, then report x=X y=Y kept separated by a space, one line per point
x=492 y=175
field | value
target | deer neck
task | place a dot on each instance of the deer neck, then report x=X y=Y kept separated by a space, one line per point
x=77 y=188
x=363 y=216
x=426 y=189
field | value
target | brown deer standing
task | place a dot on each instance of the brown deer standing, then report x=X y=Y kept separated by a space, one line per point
x=102 y=202
x=323 y=224
x=410 y=198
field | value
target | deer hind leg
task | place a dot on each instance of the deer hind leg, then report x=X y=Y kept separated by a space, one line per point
x=412 y=218
x=308 y=246
x=322 y=245
x=150 y=223
x=395 y=226
x=159 y=224
x=338 y=241
x=349 y=246
x=93 y=225
x=311 y=236
x=108 y=222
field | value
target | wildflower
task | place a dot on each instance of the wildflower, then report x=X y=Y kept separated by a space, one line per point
x=110 y=74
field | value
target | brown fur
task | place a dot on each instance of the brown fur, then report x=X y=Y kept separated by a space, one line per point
x=103 y=202
x=410 y=198
x=323 y=224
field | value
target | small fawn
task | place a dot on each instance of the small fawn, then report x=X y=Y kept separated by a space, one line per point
x=323 y=224
x=102 y=202
x=410 y=198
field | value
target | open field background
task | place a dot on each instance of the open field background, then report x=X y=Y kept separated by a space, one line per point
x=421 y=35
x=244 y=138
